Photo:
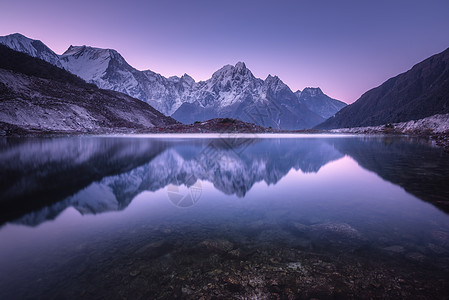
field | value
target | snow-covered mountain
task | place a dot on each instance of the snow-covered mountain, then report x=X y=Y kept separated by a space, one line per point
x=232 y=91
x=36 y=96
x=31 y=47
x=319 y=103
x=109 y=70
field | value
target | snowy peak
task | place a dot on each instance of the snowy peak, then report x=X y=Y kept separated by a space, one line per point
x=91 y=63
x=188 y=79
x=240 y=66
x=86 y=62
x=273 y=80
x=21 y=43
x=312 y=92
x=91 y=52
x=224 y=70
x=238 y=71
x=275 y=84
x=318 y=102
x=17 y=41
x=35 y=48
x=73 y=50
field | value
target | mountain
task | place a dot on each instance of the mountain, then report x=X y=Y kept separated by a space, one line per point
x=34 y=48
x=319 y=103
x=109 y=70
x=36 y=96
x=418 y=93
x=232 y=92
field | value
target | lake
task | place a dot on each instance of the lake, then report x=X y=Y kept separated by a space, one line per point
x=245 y=216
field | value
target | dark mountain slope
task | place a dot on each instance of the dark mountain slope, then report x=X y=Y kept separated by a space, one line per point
x=22 y=63
x=36 y=96
x=418 y=93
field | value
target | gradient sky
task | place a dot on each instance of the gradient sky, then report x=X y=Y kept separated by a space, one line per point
x=345 y=47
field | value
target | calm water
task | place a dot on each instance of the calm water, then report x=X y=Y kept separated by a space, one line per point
x=142 y=218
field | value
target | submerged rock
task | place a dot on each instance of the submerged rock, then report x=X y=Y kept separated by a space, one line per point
x=217 y=245
x=155 y=249
x=395 y=249
x=337 y=229
x=416 y=256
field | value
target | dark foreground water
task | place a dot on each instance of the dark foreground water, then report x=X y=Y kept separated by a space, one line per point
x=143 y=218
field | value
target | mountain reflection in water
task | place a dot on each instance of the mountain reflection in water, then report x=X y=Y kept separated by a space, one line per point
x=98 y=174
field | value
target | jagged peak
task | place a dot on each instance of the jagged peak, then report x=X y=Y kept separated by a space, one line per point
x=312 y=91
x=270 y=80
x=274 y=83
x=174 y=78
x=231 y=71
x=240 y=65
x=223 y=70
x=187 y=78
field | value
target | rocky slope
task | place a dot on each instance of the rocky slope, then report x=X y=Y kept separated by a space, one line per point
x=36 y=96
x=232 y=91
x=421 y=92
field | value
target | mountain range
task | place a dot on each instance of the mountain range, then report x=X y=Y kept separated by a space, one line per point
x=232 y=91
x=421 y=92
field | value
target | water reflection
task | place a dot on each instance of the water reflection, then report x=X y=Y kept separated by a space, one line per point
x=421 y=170
x=276 y=218
x=99 y=174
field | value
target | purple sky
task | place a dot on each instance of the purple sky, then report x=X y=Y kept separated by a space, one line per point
x=344 y=47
